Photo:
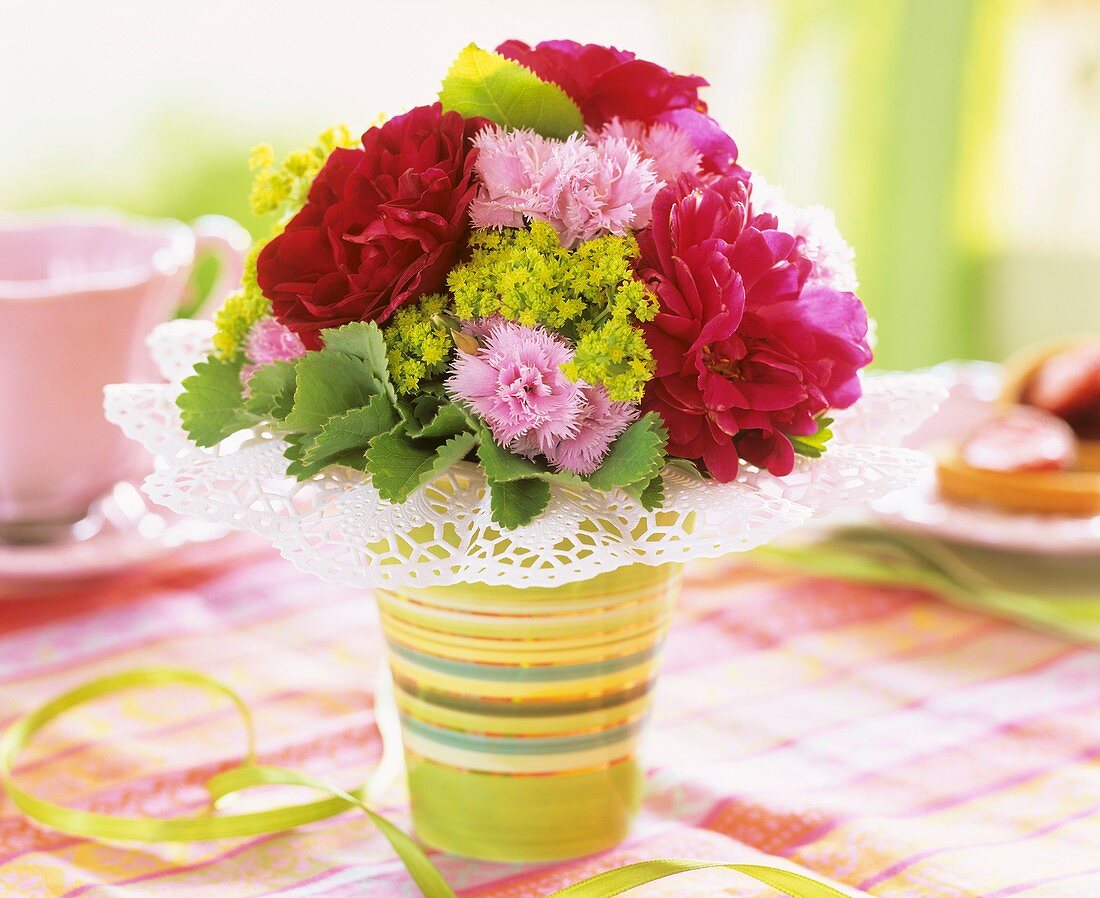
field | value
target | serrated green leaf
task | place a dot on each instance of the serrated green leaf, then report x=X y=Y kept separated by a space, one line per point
x=480 y=83
x=636 y=456
x=297 y=444
x=398 y=465
x=437 y=420
x=502 y=466
x=212 y=402
x=568 y=478
x=424 y=407
x=649 y=494
x=517 y=502
x=329 y=383
x=344 y=439
x=652 y=496
x=814 y=445
x=364 y=340
x=686 y=464
x=271 y=391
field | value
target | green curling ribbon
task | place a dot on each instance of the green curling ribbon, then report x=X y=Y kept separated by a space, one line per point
x=619 y=880
x=249 y=774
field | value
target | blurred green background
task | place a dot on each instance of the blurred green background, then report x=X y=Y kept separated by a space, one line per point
x=957 y=140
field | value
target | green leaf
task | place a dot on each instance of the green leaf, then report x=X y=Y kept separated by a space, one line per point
x=568 y=478
x=517 y=502
x=653 y=496
x=636 y=456
x=271 y=391
x=398 y=465
x=502 y=466
x=686 y=464
x=814 y=446
x=297 y=446
x=344 y=439
x=329 y=383
x=438 y=420
x=364 y=340
x=212 y=403
x=486 y=84
x=650 y=494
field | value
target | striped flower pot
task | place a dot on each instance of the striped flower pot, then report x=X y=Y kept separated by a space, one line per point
x=521 y=709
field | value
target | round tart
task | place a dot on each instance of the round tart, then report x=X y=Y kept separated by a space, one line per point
x=1040 y=454
x=1073 y=493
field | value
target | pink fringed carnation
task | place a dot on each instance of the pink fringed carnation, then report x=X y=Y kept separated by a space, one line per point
x=269 y=341
x=581 y=189
x=516 y=384
x=598 y=425
x=670 y=148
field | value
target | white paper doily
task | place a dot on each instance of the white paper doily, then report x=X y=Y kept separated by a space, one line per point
x=338 y=527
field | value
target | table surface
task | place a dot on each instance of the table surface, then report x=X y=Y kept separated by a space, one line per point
x=873 y=735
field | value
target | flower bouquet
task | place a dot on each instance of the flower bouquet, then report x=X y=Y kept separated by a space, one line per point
x=510 y=359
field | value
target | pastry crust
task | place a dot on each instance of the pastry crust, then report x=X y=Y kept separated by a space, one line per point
x=1088 y=455
x=1074 y=493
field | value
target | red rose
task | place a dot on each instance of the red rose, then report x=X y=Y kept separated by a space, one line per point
x=382 y=225
x=607 y=83
x=747 y=352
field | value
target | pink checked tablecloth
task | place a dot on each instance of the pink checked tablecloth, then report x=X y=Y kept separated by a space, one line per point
x=874 y=735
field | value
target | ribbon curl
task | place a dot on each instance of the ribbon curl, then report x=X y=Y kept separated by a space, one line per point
x=248 y=774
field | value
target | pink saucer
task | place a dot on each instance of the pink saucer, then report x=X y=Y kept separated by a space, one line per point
x=124 y=531
x=974 y=387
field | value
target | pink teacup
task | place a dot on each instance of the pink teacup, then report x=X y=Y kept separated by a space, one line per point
x=79 y=291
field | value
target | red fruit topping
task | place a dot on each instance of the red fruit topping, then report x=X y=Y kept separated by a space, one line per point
x=1068 y=384
x=1024 y=439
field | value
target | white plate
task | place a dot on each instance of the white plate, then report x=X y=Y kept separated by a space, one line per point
x=123 y=532
x=974 y=387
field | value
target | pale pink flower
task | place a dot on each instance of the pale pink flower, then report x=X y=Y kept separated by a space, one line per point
x=516 y=169
x=833 y=259
x=582 y=190
x=599 y=423
x=516 y=385
x=625 y=185
x=671 y=149
x=269 y=341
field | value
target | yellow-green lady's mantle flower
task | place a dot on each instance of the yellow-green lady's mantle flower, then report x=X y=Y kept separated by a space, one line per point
x=418 y=344
x=282 y=188
x=589 y=294
x=279 y=188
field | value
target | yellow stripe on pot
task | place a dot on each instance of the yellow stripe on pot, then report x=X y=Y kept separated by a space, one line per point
x=548 y=629
x=457 y=629
x=531 y=653
x=487 y=603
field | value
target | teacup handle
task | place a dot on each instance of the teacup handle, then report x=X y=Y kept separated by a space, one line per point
x=229 y=242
